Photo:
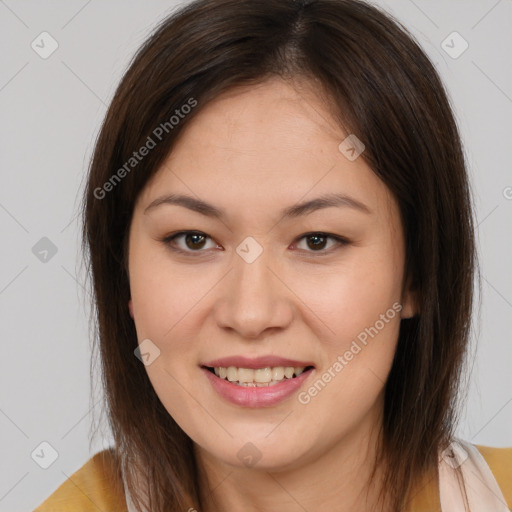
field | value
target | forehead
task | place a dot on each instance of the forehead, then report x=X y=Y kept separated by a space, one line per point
x=264 y=146
x=274 y=115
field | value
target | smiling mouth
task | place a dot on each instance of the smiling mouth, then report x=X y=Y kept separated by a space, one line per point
x=260 y=377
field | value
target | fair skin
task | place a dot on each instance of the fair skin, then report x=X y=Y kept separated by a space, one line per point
x=253 y=152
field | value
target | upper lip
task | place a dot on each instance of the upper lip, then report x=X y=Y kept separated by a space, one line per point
x=256 y=362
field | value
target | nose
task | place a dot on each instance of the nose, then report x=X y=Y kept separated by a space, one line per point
x=254 y=300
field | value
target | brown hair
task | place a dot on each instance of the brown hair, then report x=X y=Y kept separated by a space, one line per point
x=381 y=86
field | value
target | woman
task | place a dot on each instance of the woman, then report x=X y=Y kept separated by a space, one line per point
x=280 y=232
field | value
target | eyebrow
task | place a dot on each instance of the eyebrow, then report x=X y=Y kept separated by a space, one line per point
x=297 y=210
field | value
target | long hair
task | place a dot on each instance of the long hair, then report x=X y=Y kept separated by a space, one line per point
x=379 y=85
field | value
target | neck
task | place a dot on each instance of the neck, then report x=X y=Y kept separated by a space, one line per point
x=336 y=479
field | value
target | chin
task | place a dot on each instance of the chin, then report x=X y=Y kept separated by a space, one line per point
x=260 y=454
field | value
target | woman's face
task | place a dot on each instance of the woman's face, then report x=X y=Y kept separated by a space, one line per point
x=260 y=284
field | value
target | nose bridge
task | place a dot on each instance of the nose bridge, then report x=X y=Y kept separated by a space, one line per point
x=254 y=299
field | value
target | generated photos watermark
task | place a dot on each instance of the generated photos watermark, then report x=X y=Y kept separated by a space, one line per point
x=343 y=360
x=159 y=134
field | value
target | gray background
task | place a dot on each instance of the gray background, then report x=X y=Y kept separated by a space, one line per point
x=51 y=110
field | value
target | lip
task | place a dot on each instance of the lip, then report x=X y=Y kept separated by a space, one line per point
x=266 y=396
x=256 y=362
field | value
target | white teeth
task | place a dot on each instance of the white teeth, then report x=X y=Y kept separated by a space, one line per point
x=245 y=375
x=232 y=374
x=278 y=373
x=288 y=372
x=262 y=375
x=259 y=377
x=298 y=370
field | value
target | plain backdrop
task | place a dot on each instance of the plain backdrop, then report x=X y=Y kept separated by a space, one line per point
x=51 y=111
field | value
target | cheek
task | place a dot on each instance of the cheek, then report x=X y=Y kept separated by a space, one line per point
x=165 y=302
x=357 y=318
x=172 y=308
x=359 y=308
x=162 y=293
x=353 y=296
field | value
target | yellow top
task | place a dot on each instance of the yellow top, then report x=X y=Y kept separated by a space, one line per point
x=97 y=485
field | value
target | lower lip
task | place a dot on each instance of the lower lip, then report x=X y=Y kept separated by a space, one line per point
x=264 y=396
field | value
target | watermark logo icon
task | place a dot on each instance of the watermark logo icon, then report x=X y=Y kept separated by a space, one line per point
x=44 y=250
x=249 y=250
x=249 y=455
x=44 y=455
x=351 y=147
x=454 y=45
x=44 y=45
x=454 y=455
x=147 y=352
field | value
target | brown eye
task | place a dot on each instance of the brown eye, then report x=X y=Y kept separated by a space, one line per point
x=317 y=242
x=194 y=241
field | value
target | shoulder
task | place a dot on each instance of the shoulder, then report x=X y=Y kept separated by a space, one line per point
x=500 y=462
x=97 y=485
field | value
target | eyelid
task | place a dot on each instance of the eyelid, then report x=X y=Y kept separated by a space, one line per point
x=340 y=241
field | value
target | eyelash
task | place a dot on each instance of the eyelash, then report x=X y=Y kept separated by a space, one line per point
x=168 y=241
